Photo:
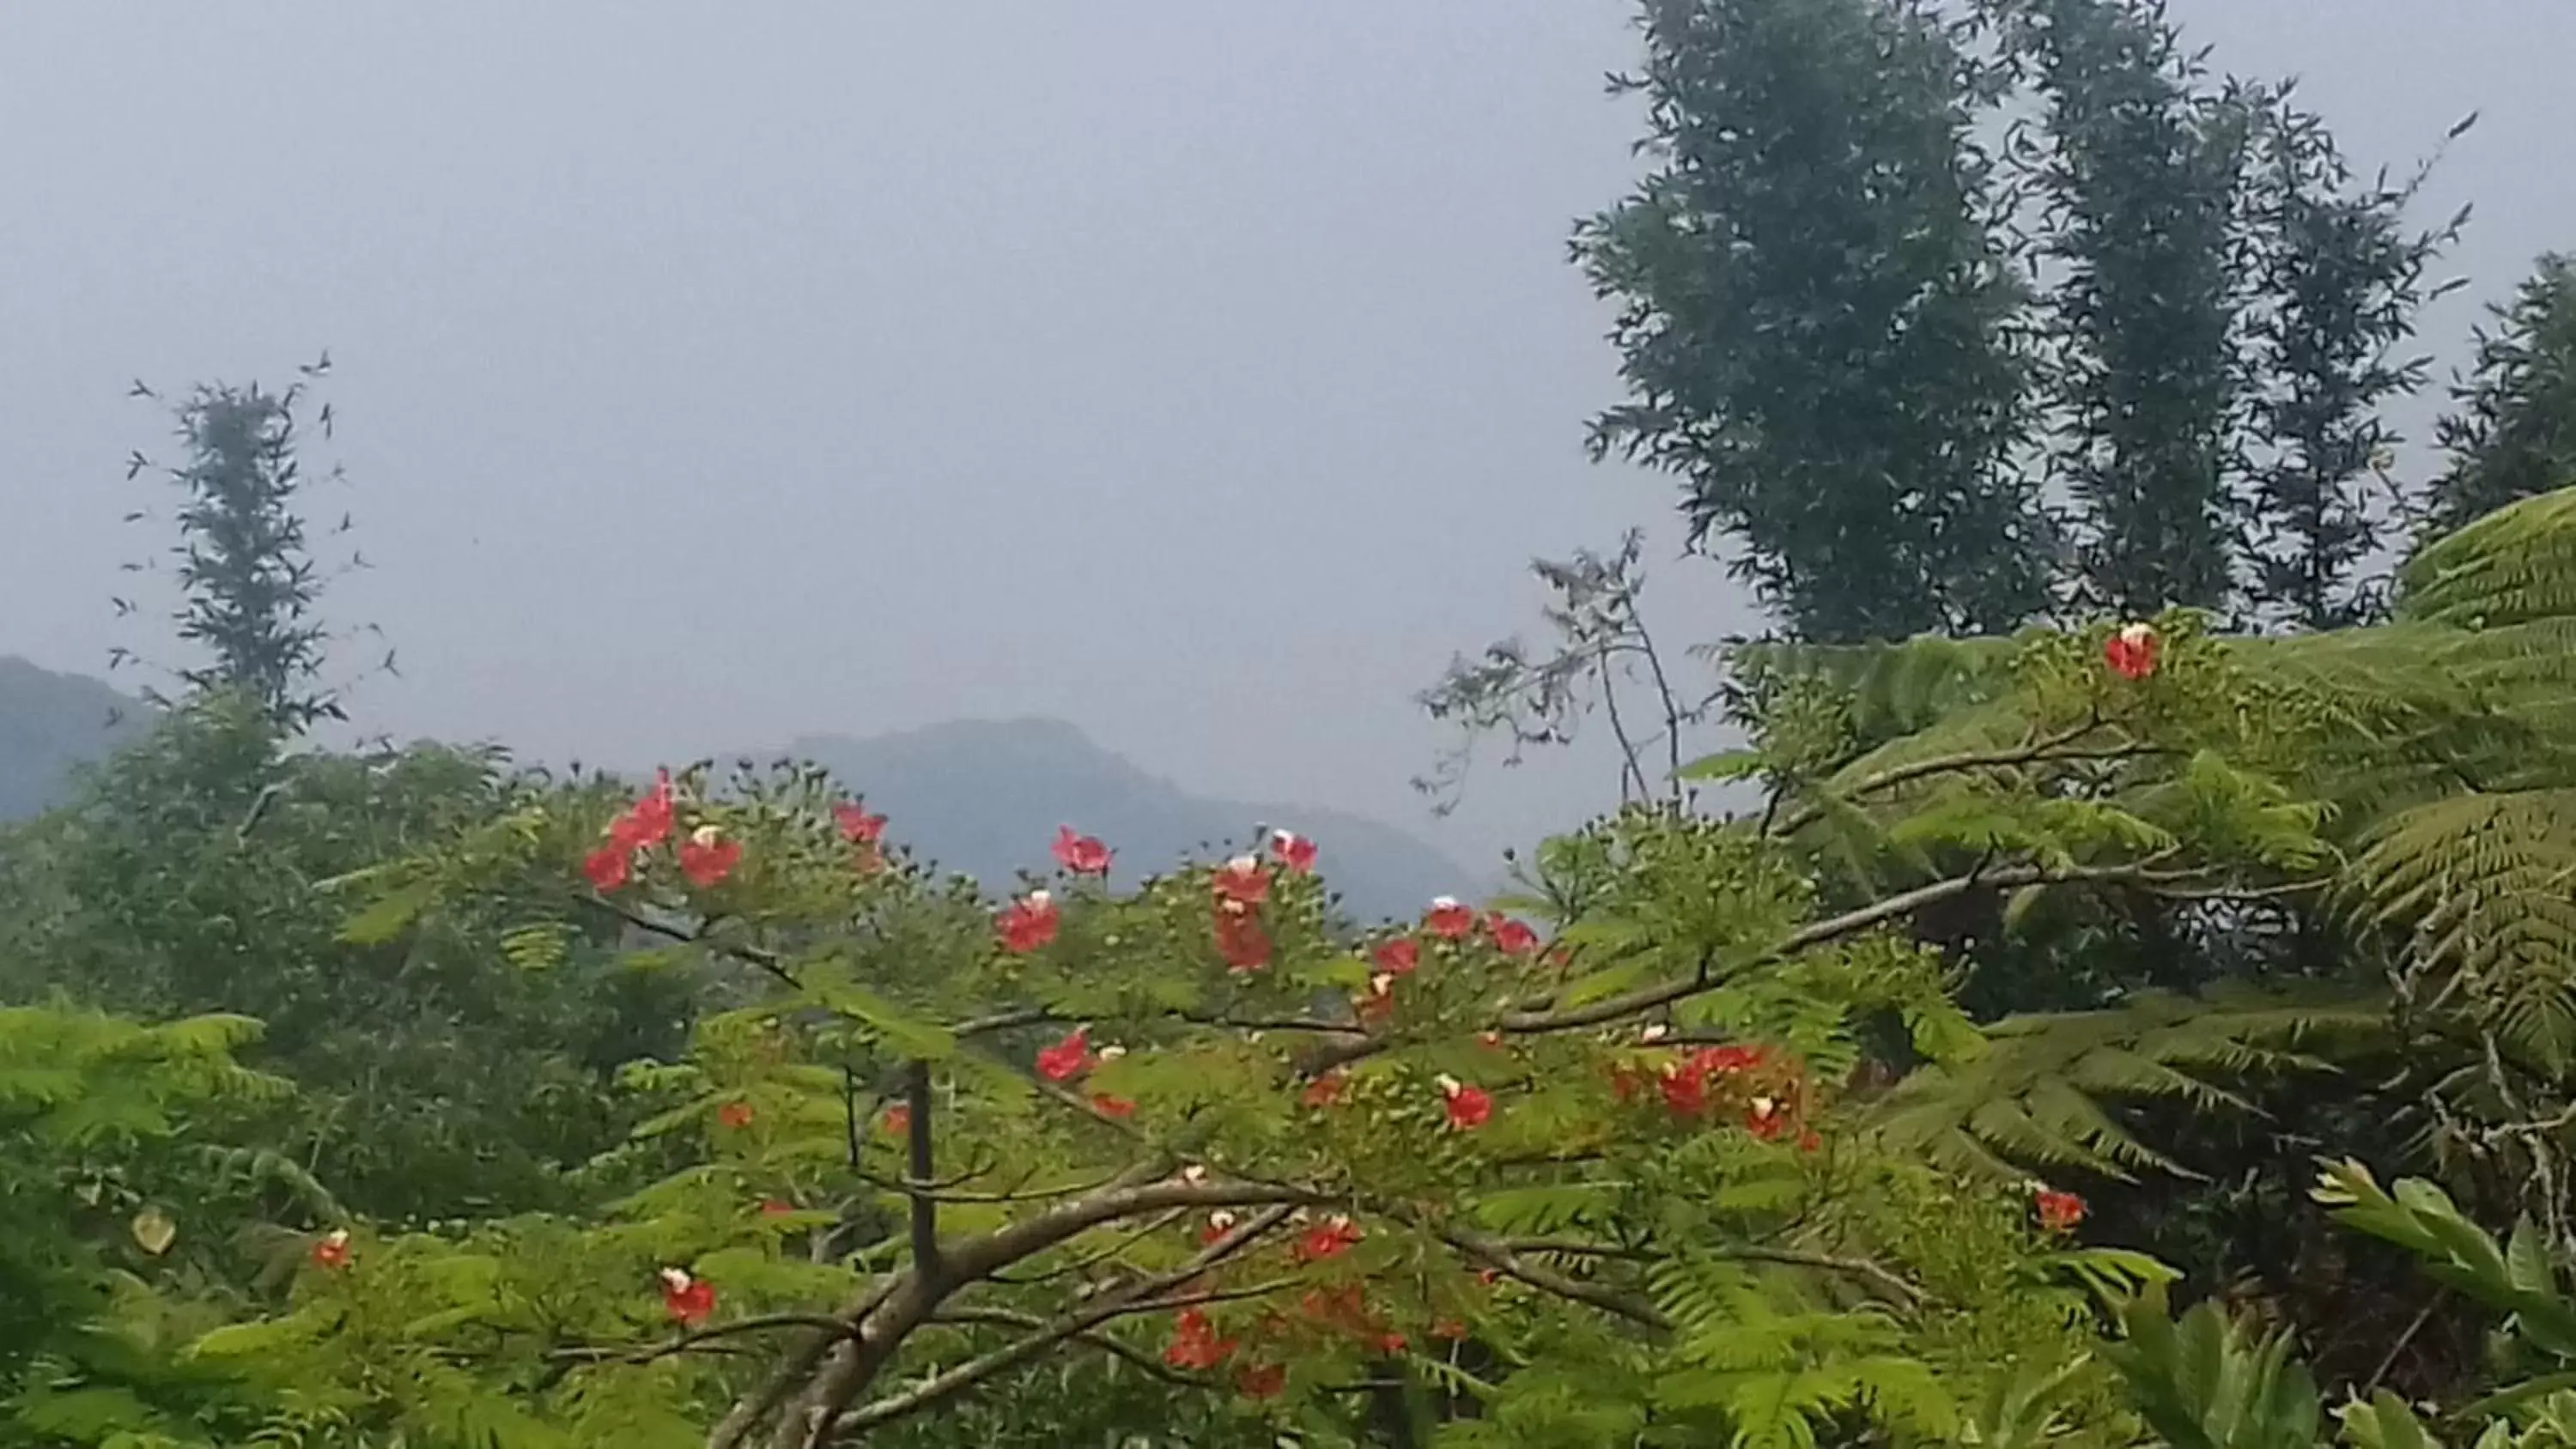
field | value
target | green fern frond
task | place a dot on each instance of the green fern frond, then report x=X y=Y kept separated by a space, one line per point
x=2036 y=1097
x=2514 y=565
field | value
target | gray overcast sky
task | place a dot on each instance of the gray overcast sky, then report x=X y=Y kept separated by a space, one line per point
x=1203 y=373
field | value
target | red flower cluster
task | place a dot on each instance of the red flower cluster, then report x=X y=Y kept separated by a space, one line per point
x=1027 y=923
x=1195 y=1344
x=1469 y=1107
x=1069 y=1058
x=2132 y=651
x=1448 y=919
x=687 y=1300
x=2059 y=1212
x=862 y=830
x=641 y=826
x=1330 y=1238
x=1081 y=854
x=1294 y=851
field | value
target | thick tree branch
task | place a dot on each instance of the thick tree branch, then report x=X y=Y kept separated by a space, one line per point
x=1141 y=1297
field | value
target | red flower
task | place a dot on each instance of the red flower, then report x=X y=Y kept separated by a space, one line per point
x=1068 y=1058
x=857 y=826
x=331 y=1250
x=775 y=1207
x=1397 y=957
x=1388 y=1342
x=1109 y=1106
x=1449 y=1330
x=1262 y=1381
x=2058 y=1211
x=607 y=867
x=1764 y=1118
x=1729 y=1058
x=1330 y=1238
x=1489 y=1276
x=707 y=857
x=647 y=822
x=1219 y=1224
x=1378 y=1002
x=1080 y=854
x=1294 y=851
x=1510 y=936
x=1808 y=1141
x=734 y=1115
x=1469 y=1107
x=1242 y=881
x=1240 y=940
x=1685 y=1089
x=688 y=1300
x=1195 y=1344
x=2131 y=653
x=1324 y=1091
x=1448 y=919
x=1028 y=924
x=896 y=1119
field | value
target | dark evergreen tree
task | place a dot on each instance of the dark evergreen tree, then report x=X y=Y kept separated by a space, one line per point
x=1816 y=314
x=2512 y=433
x=2135 y=173
x=2337 y=279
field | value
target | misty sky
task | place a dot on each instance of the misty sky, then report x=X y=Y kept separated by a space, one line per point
x=1202 y=373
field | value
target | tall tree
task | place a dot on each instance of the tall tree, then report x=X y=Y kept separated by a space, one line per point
x=1816 y=314
x=2339 y=280
x=2512 y=434
x=249 y=578
x=2137 y=179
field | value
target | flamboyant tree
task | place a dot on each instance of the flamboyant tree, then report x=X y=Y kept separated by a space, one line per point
x=1641 y=1169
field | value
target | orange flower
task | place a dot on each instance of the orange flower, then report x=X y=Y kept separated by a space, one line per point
x=2132 y=652
x=897 y=1120
x=331 y=1250
x=1109 y=1106
x=1765 y=1118
x=1324 y=1091
x=1080 y=854
x=1219 y=1224
x=776 y=1207
x=1028 y=923
x=734 y=1115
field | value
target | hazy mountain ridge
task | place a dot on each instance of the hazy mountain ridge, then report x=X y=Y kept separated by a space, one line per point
x=985 y=797
x=979 y=796
x=50 y=725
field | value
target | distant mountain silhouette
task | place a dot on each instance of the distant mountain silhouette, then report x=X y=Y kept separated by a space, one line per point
x=985 y=797
x=979 y=796
x=51 y=723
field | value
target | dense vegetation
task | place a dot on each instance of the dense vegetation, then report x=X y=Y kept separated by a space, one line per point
x=2130 y=1000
